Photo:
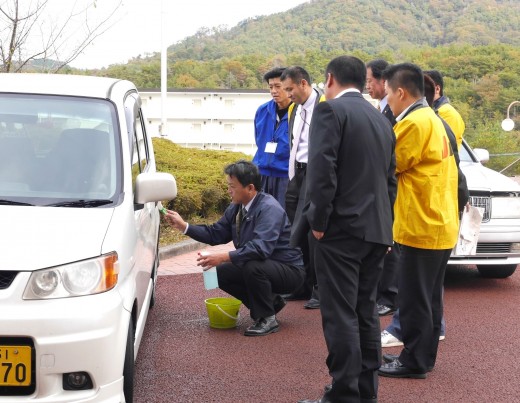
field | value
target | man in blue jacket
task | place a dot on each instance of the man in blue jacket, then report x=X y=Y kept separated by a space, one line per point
x=272 y=140
x=263 y=265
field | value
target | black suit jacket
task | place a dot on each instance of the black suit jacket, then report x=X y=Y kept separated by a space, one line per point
x=387 y=112
x=351 y=182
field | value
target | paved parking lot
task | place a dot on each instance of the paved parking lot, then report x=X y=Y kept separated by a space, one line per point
x=182 y=359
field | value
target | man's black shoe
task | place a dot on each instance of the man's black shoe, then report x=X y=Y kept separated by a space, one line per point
x=313 y=303
x=324 y=399
x=384 y=310
x=390 y=357
x=393 y=357
x=262 y=327
x=278 y=303
x=295 y=297
x=395 y=369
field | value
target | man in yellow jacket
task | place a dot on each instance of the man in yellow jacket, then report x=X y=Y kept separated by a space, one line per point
x=426 y=219
x=444 y=109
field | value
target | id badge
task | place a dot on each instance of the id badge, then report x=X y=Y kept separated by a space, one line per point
x=270 y=147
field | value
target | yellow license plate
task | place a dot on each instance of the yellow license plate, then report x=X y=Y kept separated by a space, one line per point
x=15 y=365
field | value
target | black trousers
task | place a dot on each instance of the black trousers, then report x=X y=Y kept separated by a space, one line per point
x=387 y=288
x=348 y=271
x=294 y=203
x=421 y=276
x=257 y=283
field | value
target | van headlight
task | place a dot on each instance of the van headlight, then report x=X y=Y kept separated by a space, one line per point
x=87 y=277
x=505 y=207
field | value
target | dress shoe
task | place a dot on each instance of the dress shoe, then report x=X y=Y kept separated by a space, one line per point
x=278 y=303
x=325 y=400
x=295 y=297
x=328 y=388
x=262 y=327
x=392 y=357
x=322 y=400
x=384 y=310
x=313 y=303
x=395 y=369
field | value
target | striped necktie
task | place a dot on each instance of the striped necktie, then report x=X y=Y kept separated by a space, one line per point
x=240 y=217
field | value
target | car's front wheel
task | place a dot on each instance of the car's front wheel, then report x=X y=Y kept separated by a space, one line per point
x=496 y=271
x=128 y=369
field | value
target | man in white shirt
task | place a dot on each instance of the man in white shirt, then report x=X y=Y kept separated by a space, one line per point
x=296 y=82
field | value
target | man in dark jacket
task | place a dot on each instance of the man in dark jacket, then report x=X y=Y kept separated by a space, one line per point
x=351 y=188
x=263 y=265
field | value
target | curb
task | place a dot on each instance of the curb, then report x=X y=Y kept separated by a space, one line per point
x=180 y=248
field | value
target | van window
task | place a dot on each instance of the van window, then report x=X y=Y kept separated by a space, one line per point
x=57 y=149
x=140 y=147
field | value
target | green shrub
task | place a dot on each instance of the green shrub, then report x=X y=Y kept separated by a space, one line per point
x=201 y=185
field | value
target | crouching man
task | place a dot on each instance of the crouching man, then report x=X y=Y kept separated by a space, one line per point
x=263 y=265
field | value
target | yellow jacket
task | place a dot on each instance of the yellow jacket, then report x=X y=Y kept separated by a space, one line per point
x=454 y=121
x=426 y=206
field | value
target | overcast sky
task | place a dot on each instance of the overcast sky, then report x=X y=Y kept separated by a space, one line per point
x=138 y=27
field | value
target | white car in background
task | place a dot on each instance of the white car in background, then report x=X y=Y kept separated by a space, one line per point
x=79 y=197
x=498 y=248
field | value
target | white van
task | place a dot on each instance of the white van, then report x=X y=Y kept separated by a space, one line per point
x=80 y=229
x=498 y=248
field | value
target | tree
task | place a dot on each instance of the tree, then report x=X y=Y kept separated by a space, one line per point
x=30 y=39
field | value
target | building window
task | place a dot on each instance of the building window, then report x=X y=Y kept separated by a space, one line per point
x=196 y=127
x=228 y=128
x=197 y=103
x=229 y=103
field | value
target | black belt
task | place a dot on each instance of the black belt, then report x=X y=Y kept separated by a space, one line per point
x=300 y=165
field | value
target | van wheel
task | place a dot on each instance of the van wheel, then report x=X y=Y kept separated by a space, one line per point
x=496 y=271
x=128 y=369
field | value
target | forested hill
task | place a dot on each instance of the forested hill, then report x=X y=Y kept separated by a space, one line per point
x=372 y=26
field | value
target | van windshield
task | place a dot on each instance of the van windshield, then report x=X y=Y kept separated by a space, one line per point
x=56 y=149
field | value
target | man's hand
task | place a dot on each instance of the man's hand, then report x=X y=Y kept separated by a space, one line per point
x=175 y=220
x=317 y=234
x=208 y=260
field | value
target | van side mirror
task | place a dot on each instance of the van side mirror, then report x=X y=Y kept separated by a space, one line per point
x=482 y=155
x=154 y=187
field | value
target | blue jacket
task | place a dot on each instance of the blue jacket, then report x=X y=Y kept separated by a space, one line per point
x=264 y=233
x=270 y=164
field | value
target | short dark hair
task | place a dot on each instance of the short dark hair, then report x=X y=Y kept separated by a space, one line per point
x=296 y=74
x=405 y=75
x=273 y=73
x=429 y=89
x=377 y=66
x=246 y=173
x=348 y=70
x=436 y=76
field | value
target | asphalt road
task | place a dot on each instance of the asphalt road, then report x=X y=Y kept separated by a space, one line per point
x=182 y=359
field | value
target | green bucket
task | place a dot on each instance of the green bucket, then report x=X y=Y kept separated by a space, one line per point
x=223 y=313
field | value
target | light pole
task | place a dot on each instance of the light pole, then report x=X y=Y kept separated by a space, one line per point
x=164 y=75
x=508 y=124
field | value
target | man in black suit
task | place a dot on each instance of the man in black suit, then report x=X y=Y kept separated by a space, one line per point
x=376 y=87
x=387 y=288
x=296 y=82
x=351 y=188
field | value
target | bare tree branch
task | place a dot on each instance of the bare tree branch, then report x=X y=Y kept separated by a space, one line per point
x=56 y=39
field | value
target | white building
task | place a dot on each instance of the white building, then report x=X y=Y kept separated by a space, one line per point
x=208 y=119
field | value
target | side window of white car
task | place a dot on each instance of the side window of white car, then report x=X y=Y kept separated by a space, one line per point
x=140 y=147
